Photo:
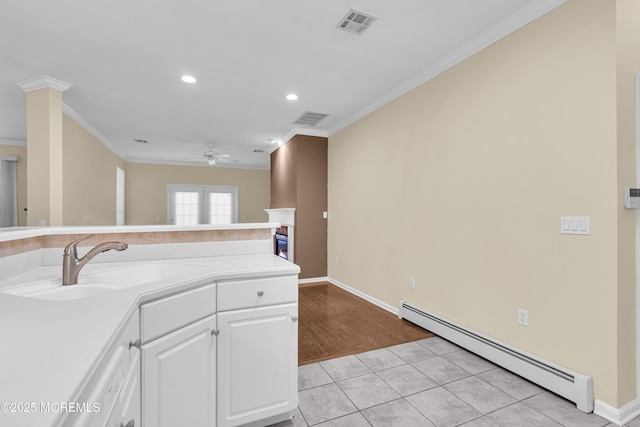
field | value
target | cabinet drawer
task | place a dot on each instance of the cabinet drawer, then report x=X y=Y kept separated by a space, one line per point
x=257 y=292
x=171 y=313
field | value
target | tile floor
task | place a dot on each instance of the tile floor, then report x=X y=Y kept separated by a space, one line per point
x=430 y=382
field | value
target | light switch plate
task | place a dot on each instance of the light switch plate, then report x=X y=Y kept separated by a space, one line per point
x=575 y=225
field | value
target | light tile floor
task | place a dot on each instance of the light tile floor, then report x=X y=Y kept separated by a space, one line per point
x=430 y=382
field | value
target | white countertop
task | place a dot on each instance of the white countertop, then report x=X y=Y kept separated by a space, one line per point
x=49 y=349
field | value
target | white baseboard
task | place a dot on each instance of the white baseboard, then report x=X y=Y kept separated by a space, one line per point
x=618 y=416
x=364 y=296
x=313 y=280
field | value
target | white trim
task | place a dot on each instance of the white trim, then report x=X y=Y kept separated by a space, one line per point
x=93 y=131
x=313 y=280
x=364 y=296
x=618 y=416
x=497 y=32
x=285 y=216
x=12 y=141
x=42 y=82
x=299 y=131
x=10 y=158
x=195 y=164
x=637 y=118
x=120 y=196
x=306 y=132
x=204 y=193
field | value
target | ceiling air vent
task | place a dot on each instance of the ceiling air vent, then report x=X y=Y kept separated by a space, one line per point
x=310 y=119
x=355 y=22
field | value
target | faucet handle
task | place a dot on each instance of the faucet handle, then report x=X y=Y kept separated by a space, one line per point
x=71 y=247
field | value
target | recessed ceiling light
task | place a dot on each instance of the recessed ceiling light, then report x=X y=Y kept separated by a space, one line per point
x=292 y=97
x=188 y=79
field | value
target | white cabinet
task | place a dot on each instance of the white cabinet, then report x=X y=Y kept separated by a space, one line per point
x=179 y=359
x=221 y=355
x=126 y=412
x=179 y=377
x=117 y=390
x=257 y=352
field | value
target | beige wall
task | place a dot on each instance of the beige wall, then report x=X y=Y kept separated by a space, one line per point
x=146 y=190
x=628 y=64
x=21 y=177
x=461 y=184
x=89 y=189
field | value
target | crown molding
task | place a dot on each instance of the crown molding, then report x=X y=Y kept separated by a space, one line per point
x=514 y=22
x=42 y=82
x=13 y=141
x=299 y=131
x=93 y=131
x=195 y=164
x=306 y=132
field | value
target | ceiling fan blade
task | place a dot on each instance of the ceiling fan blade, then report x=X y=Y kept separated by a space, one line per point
x=226 y=160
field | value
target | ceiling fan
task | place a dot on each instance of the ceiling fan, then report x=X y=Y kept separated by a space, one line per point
x=214 y=157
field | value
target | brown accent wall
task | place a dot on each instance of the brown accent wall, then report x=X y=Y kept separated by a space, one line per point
x=284 y=176
x=299 y=180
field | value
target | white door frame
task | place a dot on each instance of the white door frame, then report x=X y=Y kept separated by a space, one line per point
x=204 y=192
x=637 y=114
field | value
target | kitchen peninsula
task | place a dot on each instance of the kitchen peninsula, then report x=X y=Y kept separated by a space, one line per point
x=195 y=325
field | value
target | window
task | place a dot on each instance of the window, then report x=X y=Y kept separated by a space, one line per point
x=202 y=204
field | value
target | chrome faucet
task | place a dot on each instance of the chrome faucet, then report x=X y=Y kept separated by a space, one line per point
x=71 y=265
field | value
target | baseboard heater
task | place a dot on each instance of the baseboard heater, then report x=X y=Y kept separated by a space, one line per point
x=572 y=386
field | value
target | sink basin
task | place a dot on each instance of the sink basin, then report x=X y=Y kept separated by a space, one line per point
x=55 y=291
x=140 y=274
x=102 y=282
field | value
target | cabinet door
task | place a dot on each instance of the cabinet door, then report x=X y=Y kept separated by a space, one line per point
x=257 y=363
x=178 y=377
x=127 y=409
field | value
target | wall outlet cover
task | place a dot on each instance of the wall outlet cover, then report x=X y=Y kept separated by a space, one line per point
x=523 y=317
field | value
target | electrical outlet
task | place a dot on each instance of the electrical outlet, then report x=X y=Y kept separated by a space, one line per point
x=337 y=260
x=523 y=317
x=412 y=283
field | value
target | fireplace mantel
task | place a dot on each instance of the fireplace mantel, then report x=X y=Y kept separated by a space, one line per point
x=287 y=218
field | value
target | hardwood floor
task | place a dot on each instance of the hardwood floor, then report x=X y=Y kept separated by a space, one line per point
x=335 y=323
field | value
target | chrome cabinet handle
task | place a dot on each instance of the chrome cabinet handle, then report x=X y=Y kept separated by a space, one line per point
x=135 y=344
x=215 y=332
x=294 y=318
x=131 y=423
x=260 y=293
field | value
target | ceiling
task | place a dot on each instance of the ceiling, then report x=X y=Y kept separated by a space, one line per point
x=125 y=58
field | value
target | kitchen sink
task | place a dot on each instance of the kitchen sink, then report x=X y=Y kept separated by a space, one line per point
x=55 y=291
x=105 y=281
x=141 y=274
